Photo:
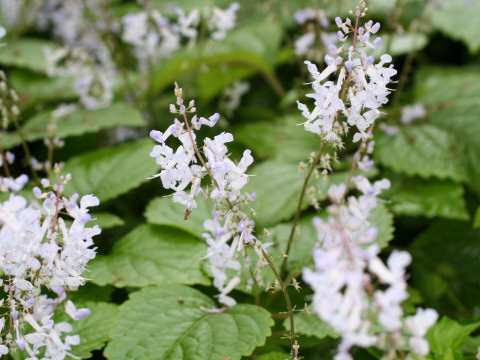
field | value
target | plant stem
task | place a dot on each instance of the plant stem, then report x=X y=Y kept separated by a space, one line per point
x=299 y=208
x=265 y=255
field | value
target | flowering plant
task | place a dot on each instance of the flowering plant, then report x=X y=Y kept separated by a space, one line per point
x=307 y=193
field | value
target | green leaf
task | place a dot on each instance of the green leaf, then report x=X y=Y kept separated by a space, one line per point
x=163 y=211
x=459 y=21
x=382 y=219
x=441 y=147
x=276 y=355
x=26 y=53
x=253 y=47
x=423 y=150
x=110 y=172
x=106 y=220
x=401 y=44
x=34 y=88
x=284 y=139
x=278 y=185
x=446 y=338
x=151 y=255
x=78 y=122
x=476 y=220
x=310 y=325
x=94 y=330
x=444 y=257
x=167 y=323
x=430 y=198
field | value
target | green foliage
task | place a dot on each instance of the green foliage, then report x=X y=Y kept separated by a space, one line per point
x=458 y=20
x=163 y=211
x=447 y=337
x=310 y=324
x=170 y=322
x=76 y=123
x=94 y=330
x=443 y=258
x=26 y=53
x=110 y=172
x=430 y=198
x=106 y=220
x=151 y=255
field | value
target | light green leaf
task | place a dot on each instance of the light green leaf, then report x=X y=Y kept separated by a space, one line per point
x=151 y=255
x=106 y=220
x=401 y=44
x=382 y=219
x=310 y=325
x=430 y=198
x=446 y=338
x=459 y=20
x=26 y=53
x=163 y=211
x=447 y=146
x=284 y=139
x=110 y=172
x=168 y=323
x=476 y=220
x=423 y=150
x=76 y=123
x=94 y=330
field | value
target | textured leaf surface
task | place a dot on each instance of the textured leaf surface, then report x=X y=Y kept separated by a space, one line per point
x=79 y=122
x=163 y=211
x=151 y=255
x=430 y=198
x=110 y=172
x=423 y=150
x=446 y=338
x=94 y=330
x=166 y=323
x=26 y=53
x=447 y=146
x=458 y=19
x=310 y=325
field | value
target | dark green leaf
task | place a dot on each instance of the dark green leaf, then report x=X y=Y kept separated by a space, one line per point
x=106 y=220
x=168 y=323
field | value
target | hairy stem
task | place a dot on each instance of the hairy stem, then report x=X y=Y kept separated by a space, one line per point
x=265 y=255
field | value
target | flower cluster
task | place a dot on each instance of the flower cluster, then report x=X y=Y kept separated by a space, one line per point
x=355 y=292
x=154 y=36
x=316 y=24
x=40 y=251
x=366 y=83
x=231 y=229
